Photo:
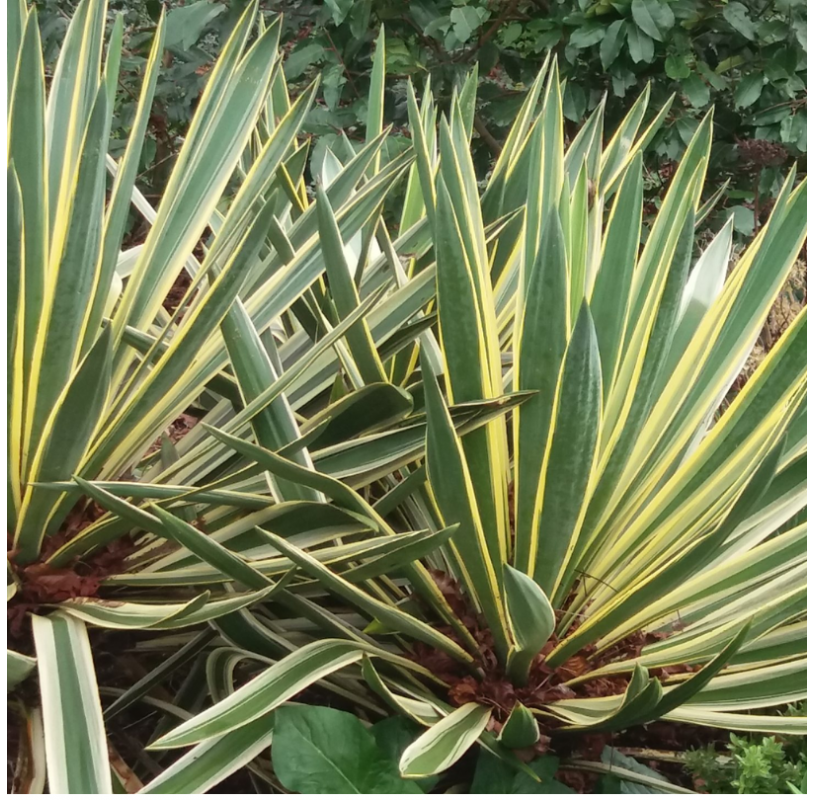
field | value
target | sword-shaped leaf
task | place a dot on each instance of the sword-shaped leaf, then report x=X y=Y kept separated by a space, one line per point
x=444 y=743
x=76 y=749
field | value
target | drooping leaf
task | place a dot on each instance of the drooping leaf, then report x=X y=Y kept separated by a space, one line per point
x=272 y=688
x=445 y=743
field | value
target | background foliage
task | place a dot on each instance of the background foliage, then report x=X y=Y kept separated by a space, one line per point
x=748 y=58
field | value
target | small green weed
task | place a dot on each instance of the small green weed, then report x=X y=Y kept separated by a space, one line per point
x=752 y=765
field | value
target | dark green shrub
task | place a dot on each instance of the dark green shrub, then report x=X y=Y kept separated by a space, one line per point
x=746 y=56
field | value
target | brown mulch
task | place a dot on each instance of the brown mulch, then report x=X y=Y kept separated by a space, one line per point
x=40 y=584
x=175 y=432
x=177 y=292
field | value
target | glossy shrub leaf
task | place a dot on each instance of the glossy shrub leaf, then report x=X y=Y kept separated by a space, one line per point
x=394 y=735
x=493 y=776
x=318 y=750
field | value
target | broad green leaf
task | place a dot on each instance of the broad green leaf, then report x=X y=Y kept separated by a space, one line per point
x=676 y=67
x=587 y=35
x=748 y=90
x=393 y=735
x=696 y=90
x=738 y=16
x=326 y=751
x=640 y=44
x=652 y=16
x=612 y=43
x=493 y=776
x=574 y=102
x=186 y=24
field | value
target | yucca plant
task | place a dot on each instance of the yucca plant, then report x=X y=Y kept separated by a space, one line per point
x=513 y=561
x=621 y=548
x=103 y=379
